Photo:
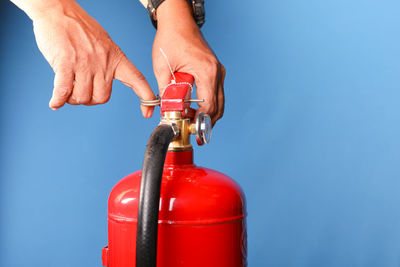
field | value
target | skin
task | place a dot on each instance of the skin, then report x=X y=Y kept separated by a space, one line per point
x=187 y=51
x=85 y=60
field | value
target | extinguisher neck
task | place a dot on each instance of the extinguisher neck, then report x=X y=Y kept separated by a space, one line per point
x=175 y=158
x=182 y=141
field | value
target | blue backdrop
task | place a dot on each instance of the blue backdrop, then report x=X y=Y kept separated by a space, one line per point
x=311 y=132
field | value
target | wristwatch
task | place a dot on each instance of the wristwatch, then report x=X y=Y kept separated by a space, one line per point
x=197 y=11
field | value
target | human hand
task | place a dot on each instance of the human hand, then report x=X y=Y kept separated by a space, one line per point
x=83 y=56
x=187 y=51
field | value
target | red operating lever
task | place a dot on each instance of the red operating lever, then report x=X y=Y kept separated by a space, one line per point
x=177 y=94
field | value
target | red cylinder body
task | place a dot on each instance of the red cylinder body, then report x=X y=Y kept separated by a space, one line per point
x=201 y=218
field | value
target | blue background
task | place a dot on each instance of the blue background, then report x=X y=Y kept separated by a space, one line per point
x=311 y=132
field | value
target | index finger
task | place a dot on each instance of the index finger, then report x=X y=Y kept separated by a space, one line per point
x=207 y=89
x=129 y=75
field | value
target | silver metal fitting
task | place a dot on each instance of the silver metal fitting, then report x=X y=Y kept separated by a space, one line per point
x=203 y=129
x=174 y=127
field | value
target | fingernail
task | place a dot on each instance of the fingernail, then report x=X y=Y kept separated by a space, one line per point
x=50 y=106
x=149 y=113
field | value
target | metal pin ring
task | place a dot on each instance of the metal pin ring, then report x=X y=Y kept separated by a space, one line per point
x=151 y=103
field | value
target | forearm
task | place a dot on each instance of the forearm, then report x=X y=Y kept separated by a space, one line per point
x=39 y=8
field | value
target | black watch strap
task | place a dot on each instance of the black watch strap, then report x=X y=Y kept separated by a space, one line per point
x=197 y=11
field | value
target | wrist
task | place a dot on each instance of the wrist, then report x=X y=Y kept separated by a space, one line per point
x=37 y=9
x=175 y=13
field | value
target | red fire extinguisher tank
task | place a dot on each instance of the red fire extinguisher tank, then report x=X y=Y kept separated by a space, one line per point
x=201 y=218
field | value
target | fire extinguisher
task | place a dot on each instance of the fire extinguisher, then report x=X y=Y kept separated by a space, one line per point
x=174 y=213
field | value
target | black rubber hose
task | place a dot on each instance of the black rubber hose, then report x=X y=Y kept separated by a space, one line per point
x=147 y=222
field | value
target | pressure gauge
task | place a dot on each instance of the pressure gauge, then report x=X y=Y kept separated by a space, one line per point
x=203 y=129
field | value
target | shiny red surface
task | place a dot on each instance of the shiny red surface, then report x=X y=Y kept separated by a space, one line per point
x=201 y=219
x=173 y=98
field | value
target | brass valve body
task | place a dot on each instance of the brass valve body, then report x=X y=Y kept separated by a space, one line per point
x=182 y=141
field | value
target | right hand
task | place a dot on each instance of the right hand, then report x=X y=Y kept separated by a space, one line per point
x=84 y=58
x=188 y=51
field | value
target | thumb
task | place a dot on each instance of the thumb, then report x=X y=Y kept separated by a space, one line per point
x=129 y=75
x=163 y=77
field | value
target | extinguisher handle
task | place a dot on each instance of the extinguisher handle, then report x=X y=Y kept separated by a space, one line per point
x=176 y=95
x=182 y=77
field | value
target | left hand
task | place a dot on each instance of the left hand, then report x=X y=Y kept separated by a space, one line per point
x=187 y=51
x=83 y=56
